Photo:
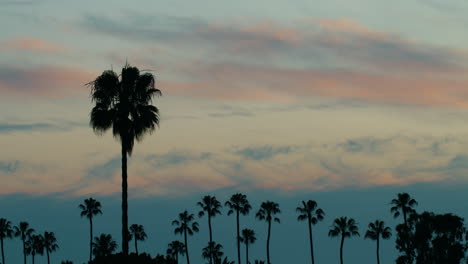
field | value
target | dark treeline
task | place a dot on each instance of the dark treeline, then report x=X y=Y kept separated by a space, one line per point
x=421 y=237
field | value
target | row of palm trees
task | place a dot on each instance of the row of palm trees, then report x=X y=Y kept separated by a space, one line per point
x=33 y=244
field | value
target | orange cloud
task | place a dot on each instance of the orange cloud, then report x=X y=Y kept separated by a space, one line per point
x=33 y=45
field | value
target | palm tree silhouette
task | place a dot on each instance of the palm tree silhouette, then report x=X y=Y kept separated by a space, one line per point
x=313 y=215
x=376 y=230
x=104 y=245
x=211 y=206
x=125 y=105
x=343 y=227
x=213 y=251
x=174 y=249
x=137 y=232
x=248 y=237
x=6 y=231
x=238 y=203
x=89 y=208
x=34 y=246
x=404 y=204
x=24 y=232
x=185 y=225
x=50 y=244
x=266 y=212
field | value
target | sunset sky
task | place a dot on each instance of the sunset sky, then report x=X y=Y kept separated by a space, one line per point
x=344 y=102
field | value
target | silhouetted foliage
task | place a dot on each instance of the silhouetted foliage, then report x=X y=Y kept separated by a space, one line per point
x=239 y=204
x=344 y=228
x=174 y=249
x=376 y=231
x=89 y=208
x=6 y=231
x=313 y=215
x=133 y=259
x=67 y=262
x=267 y=212
x=23 y=231
x=185 y=225
x=248 y=237
x=124 y=104
x=213 y=250
x=211 y=206
x=224 y=261
x=50 y=244
x=137 y=233
x=404 y=205
x=104 y=245
x=35 y=246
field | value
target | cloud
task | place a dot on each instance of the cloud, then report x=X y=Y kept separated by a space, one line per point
x=7 y=127
x=9 y=167
x=176 y=158
x=105 y=170
x=263 y=152
x=32 y=45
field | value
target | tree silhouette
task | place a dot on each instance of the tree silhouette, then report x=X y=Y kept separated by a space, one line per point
x=239 y=204
x=377 y=230
x=34 y=246
x=343 y=227
x=125 y=106
x=213 y=251
x=266 y=212
x=313 y=215
x=104 y=245
x=248 y=237
x=137 y=232
x=89 y=208
x=404 y=205
x=211 y=206
x=6 y=231
x=24 y=232
x=176 y=248
x=185 y=225
x=50 y=244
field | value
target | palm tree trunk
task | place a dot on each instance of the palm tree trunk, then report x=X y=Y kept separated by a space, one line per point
x=211 y=238
x=247 y=252
x=378 y=257
x=3 y=253
x=90 y=239
x=311 y=242
x=124 y=198
x=186 y=246
x=238 y=238
x=177 y=258
x=341 y=249
x=24 y=250
x=48 y=258
x=268 y=242
x=33 y=255
x=136 y=246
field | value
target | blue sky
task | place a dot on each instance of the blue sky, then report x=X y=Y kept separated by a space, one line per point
x=335 y=101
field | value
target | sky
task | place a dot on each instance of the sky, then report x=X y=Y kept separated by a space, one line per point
x=344 y=102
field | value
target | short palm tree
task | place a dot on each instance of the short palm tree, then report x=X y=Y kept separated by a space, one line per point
x=174 y=249
x=24 y=232
x=104 y=245
x=89 y=208
x=6 y=231
x=124 y=104
x=213 y=251
x=313 y=215
x=137 y=232
x=211 y=206
x=267 y=212
x=377 y=230
x=344 y=228
x=34 y=246
x=187 y=226
x=403 y=205
x=239 y=204
x=50 y=244
x=248 y=237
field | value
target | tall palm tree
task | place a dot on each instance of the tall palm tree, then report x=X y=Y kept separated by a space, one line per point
x=89 y=208
x=185 y=225
x=248 y=237
x=239 y=204
x=34 y=246
x=137 y=232
x=104 y=245
x=24 y=232
x=211 y=206
x=50 y=244
x=403 y=205
x=266 y=212
x=6 y=231
x=313 y=215
x=377 y=230
x=174 y=249
x=344 y=228
x=213 y=251
x=124 y=104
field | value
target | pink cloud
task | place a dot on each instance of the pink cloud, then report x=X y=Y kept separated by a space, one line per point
x=33 y=45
